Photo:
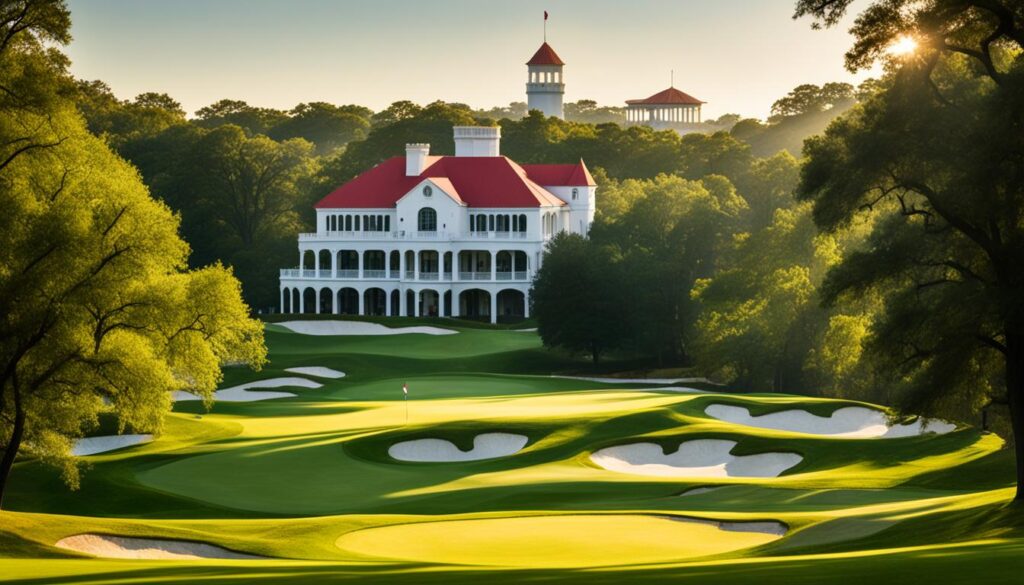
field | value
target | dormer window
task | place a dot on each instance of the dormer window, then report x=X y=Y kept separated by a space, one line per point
x=427 y=191
x=575 y=193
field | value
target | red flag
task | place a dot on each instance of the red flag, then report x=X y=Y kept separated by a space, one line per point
x=545 y=15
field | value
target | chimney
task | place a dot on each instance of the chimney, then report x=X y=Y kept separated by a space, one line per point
x=477 y=140
x=416 y=159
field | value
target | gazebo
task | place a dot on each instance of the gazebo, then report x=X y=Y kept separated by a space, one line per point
x=670 y=108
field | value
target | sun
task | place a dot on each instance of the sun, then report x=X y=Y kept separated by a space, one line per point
x=904 y=45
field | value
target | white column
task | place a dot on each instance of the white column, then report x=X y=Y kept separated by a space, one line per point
x=494 y=266
x=494 y=307
x=401 y=300
x=526 y=304
x=401 y=266
x=416 y=271
x=282 y=300
x=416 y=304
x=359 y=260
x=334 y=264
x=302 y=301
x=360 y=293
x=334 y=302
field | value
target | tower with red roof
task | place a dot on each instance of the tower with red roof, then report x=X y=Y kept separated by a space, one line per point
x=545 y=87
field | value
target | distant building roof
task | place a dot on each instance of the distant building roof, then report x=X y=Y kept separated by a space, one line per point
x=670 y=96
x=545 y=55
x=476 y=181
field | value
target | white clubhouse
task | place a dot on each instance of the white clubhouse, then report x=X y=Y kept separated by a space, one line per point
x=449 y=236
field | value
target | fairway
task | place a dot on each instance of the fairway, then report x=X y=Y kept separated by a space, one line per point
x=496 y=468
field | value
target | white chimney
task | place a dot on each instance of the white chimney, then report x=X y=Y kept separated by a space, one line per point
x=416 y=159
x=477 y=140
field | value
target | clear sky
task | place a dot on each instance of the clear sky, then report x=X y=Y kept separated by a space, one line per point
x=738 y=55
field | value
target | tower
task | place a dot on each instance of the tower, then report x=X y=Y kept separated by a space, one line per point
x=544 y=86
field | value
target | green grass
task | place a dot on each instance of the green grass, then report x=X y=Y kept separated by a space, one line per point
x=308 y=481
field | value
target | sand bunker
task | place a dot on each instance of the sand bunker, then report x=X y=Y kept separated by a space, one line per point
x=357 y=328
x=241 y=393
x=485 y=446
x=93 y=445
x=572 y=540
x=318 y=371
x=699 y=458
x=848 y=422
x=124 y=547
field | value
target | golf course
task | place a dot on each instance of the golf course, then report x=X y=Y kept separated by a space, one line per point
x=501 y=466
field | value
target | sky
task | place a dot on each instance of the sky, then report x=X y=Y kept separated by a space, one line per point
x=737 y=55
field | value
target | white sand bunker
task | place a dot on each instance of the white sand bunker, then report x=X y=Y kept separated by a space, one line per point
x=318 y=371
x=124 y=547
x=699 y=458
x=241 y=392
x=485 y=446
x=357 y=328
x=94 y=445
x=848 y=422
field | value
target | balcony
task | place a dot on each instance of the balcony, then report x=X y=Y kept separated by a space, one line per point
x=412 y=236
x=410 y=276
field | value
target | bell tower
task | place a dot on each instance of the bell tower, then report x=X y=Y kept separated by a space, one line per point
x=544 y=83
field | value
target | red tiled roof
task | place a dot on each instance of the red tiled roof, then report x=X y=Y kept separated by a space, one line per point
x=491 y=181
x=670 y=96
x=576 y=175
x=545 y=55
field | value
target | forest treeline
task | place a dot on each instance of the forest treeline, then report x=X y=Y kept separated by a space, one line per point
x=244 y=178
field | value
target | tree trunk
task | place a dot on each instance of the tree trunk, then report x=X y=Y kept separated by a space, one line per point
x=11 y=451
x=1015 y=393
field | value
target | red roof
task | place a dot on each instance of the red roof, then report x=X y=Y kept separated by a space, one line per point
x=576 y=175
x=545 y=55
x=477 y=181
x=670 y=96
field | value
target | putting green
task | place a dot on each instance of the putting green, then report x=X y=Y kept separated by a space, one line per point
x=551 y=541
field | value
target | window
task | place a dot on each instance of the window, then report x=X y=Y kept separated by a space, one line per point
x=575 y=193
x=357 y=223
x=387 y=223
x=427 y=220
x=348 y=223
x=522 y=222
x=481 y=223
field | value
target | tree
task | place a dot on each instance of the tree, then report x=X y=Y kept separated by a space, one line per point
x=252 y=119
x=99 y=313
x=325 y=125
x=577 y=298
x=937 y=158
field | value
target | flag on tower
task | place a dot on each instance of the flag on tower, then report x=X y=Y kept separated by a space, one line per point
x=545 y=15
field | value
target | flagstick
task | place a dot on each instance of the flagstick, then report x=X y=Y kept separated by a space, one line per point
x=406 y=409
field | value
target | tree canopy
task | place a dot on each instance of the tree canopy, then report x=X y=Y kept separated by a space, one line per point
x=100 y=314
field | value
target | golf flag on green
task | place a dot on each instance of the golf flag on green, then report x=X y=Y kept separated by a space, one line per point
x=405 y=398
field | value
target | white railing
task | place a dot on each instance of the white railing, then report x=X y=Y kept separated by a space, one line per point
x=412 y=235
x=409 y=275
x=495 y=235
x=399 y=235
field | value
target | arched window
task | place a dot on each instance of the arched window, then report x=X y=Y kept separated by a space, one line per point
x=387 y=223
x=348 y=223
x=575 y=193
x=481 y=223
x=522 y=222
x=357 y=223
x=427 y=221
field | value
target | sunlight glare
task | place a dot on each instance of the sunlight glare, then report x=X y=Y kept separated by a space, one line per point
x=903 y=46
